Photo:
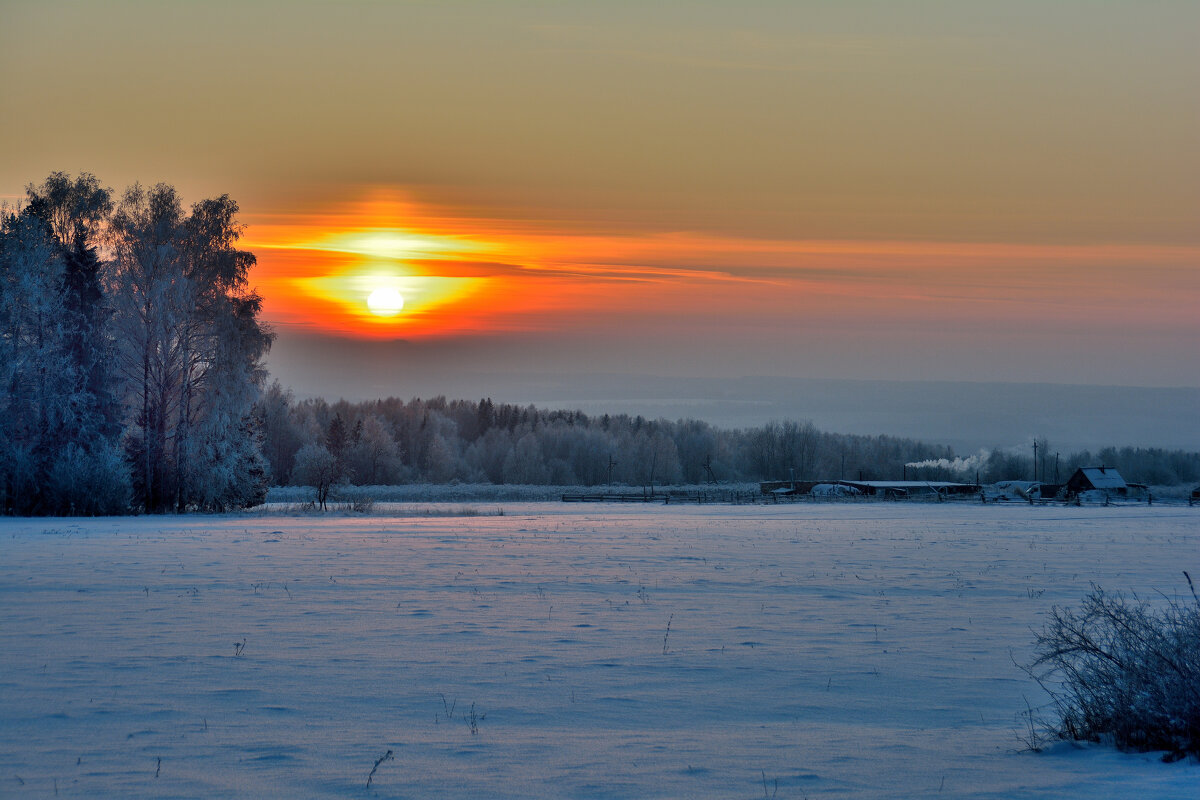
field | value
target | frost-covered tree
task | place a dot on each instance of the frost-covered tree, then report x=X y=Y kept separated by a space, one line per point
x=590 y=454
x=132 y=329
x=655 y=458
x=150 y=304
x=89 y=481
x=375 y=457
x=438 y=444
x=525 y=463
x=48 y=370
x=316 y=467
x=189 y=348
x=486 y=455
x=337 y=439
x=31 y=364
x=75 y=210
x=441 y=459
x=223 y=344
x=696 y=443
x=283 y=434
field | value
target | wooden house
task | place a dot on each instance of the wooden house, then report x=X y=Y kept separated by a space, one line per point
x=1104 y=479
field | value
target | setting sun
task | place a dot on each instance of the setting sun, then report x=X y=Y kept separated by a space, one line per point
x=385 y=302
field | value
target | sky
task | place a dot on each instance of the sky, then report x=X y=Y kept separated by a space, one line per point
x=898 y=191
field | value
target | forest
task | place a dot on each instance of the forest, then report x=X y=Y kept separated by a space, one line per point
x=130 y=353
x=132 y=365
x=317 y=443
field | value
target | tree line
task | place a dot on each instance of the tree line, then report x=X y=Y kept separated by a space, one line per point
x=130 y=353
x=317 y=443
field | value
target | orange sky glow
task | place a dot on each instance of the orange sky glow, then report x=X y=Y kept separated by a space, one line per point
x=469 y=276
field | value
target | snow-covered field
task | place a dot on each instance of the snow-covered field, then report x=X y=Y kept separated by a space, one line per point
x=558 y=651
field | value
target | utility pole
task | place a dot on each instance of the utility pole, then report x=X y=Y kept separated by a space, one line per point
x=1056 y=467
x=1035 y=460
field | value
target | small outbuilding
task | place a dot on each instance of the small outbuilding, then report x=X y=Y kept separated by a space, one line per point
x=1103 y=479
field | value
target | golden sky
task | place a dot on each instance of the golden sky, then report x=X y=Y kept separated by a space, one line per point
x=972 y=190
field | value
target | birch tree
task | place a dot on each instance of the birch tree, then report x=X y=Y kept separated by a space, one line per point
x=190 y=350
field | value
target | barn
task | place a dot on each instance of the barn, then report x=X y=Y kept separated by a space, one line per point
x=1104 y=479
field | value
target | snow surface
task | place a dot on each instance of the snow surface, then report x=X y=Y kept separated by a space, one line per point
x=853 y=651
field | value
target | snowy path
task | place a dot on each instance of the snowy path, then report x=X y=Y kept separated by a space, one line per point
x=836 y=651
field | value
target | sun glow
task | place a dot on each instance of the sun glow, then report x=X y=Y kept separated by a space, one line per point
x=381 y=267
x=374 y=294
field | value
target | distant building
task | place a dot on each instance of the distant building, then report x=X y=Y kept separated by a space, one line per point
x=1104 y=479
x=890 y=489
x=897 y=489
x=786 y=487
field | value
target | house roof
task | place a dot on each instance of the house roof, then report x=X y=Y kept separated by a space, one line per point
x=1103 y=477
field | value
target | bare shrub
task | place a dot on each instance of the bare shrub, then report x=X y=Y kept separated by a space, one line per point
x=1123 y=671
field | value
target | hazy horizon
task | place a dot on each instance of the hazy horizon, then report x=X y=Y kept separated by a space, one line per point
x=967 y=415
